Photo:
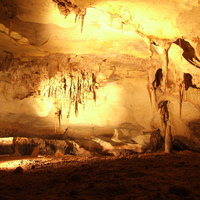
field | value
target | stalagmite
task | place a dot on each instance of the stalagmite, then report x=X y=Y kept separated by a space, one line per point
x=166 y=125
x=168 y=139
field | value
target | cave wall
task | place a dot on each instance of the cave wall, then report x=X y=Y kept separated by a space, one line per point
x=88 y=89
x=91 y=95
x=90 y=68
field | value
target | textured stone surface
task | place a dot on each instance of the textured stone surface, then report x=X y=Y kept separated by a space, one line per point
x=150 y=176
x=122 y=62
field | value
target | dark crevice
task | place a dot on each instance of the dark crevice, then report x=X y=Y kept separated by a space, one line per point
x=188 y=81
x=158 y=77
x=189 y=52
x=179 y=146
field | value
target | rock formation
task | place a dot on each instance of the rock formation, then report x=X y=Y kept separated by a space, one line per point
x=121 y=73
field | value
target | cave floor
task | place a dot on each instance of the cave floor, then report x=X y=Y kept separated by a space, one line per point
x=145 y=176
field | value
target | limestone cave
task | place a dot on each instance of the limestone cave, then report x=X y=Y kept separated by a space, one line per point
x=99 y=99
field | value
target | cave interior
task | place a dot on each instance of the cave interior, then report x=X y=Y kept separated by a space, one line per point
x=99 y=78
x=103 y=76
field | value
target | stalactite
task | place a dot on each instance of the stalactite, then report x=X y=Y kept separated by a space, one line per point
x=82 y=89
x=64 y=87
x=74 y=90
x=181 y=92
x=76 y=107
x=63 y=9
x=165 y=45
x=93 y=86
x=82 y=14
x=70 y=90
x=150 y=89
x=49 y=90
x=165 y=76
x=77 y=11
x=66 y=7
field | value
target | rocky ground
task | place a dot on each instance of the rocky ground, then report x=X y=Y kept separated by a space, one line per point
x=138 y=176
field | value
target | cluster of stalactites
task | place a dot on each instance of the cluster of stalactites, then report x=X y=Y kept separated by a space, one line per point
x=66 y=7
x=161 y=75
x=69 y=90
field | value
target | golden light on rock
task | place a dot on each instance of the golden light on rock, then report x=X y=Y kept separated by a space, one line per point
x=106 y=87
x=91 y=69
x=6 y=141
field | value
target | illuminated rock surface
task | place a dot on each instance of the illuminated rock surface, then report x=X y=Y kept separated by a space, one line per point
x=124 y=70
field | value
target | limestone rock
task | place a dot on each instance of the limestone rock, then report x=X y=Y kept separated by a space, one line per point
x=93 y=67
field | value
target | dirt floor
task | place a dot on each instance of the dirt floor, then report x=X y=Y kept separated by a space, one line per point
x=146 y=176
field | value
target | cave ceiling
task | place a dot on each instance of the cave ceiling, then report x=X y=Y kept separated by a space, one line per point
x=38 y=28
